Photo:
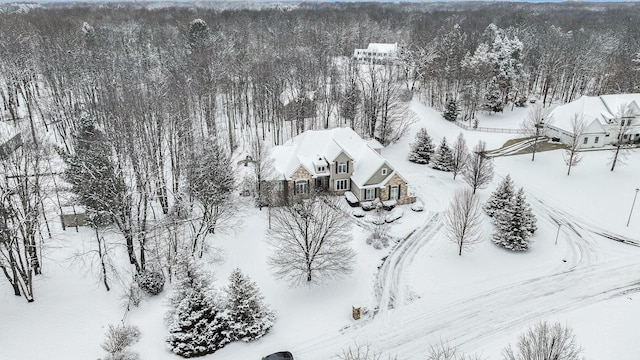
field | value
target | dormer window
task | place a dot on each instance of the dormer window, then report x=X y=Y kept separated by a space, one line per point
x=321 y=168
x=384 y=171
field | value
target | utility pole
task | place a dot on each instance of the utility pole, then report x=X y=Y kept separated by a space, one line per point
x=632 y=205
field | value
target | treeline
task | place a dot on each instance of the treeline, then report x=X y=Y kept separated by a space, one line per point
x=161 y=95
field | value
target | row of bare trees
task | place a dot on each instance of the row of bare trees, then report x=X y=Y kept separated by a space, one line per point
x=170 y=95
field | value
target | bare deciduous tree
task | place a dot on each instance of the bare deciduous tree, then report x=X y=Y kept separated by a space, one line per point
x=533 y=125
x=262 y=168
x=363 y=352
x=545 y=341
x=479 y=169
x=571 y=156
x=460 y=155
x=21 y=217
x=625 y=120
x=310 y=241
x=463 y=220
x=447 y=351
x=211 y=182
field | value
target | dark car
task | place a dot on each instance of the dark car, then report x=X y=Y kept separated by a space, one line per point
x=282 y=355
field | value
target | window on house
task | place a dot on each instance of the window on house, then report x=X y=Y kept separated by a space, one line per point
x=586 y=140
x=301 y=186
x=277 y=186
x=342 y=168
x=384 y=171
x=595 y=141
x=342 y=185
x=394 y=192
x=369 y=194
x=320 y=168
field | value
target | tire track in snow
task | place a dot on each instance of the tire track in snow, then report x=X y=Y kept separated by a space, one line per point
x=390 y=287
x=496 y=313
x=514 y=148
x=491 y=315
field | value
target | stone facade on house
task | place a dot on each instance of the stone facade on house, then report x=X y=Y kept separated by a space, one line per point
x=300 y=174
x=310 y=161
x=404 y=197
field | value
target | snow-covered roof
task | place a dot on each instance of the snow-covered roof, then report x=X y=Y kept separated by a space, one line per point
x=375 y=144
x=290 y=94
x=311 y=148
x=382 y=47
x=602 y=109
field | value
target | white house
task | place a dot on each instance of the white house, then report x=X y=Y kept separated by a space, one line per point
x=604 y=116
x=336 y=160
x=377 y=53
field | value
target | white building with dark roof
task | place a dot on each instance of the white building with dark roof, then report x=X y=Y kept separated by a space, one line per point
x=337 y=160
x=605 y=117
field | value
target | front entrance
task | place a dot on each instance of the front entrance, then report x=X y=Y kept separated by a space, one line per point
x=322 y=183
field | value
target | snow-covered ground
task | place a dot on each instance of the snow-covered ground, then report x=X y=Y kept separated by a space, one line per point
x=481 y=301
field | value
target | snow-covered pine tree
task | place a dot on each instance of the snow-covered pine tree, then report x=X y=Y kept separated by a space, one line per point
x=198 y=323
x=250 y=317
x=92 y=173
x=451 y=110
x=443 y=157
x=530 y=223
x=515 y=224
x=493 y=98
x=422 y=148
x=500 y=197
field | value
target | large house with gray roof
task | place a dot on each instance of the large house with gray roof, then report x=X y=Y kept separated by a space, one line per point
x=337 y=160
x=608 y=119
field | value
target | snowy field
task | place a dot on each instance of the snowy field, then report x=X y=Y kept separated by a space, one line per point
x=480 y=301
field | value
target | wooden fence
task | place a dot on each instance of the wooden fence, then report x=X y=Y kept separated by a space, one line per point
x=487 y=129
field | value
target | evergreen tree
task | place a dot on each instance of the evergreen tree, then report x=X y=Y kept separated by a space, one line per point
x=500 y=198
x=493 y=98
x=251 y=318
x=443 y=158
x=451 y=111
x=198 y=323
x=92 y=174
x=422 y=148
x=515 y=224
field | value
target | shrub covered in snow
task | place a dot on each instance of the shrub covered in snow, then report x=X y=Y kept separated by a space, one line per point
x=367 y=205
x=379 y=237
x=118 y=339
x=389 y=204
x=151 y=281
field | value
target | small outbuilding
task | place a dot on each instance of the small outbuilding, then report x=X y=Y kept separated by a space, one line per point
x=72 y=216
